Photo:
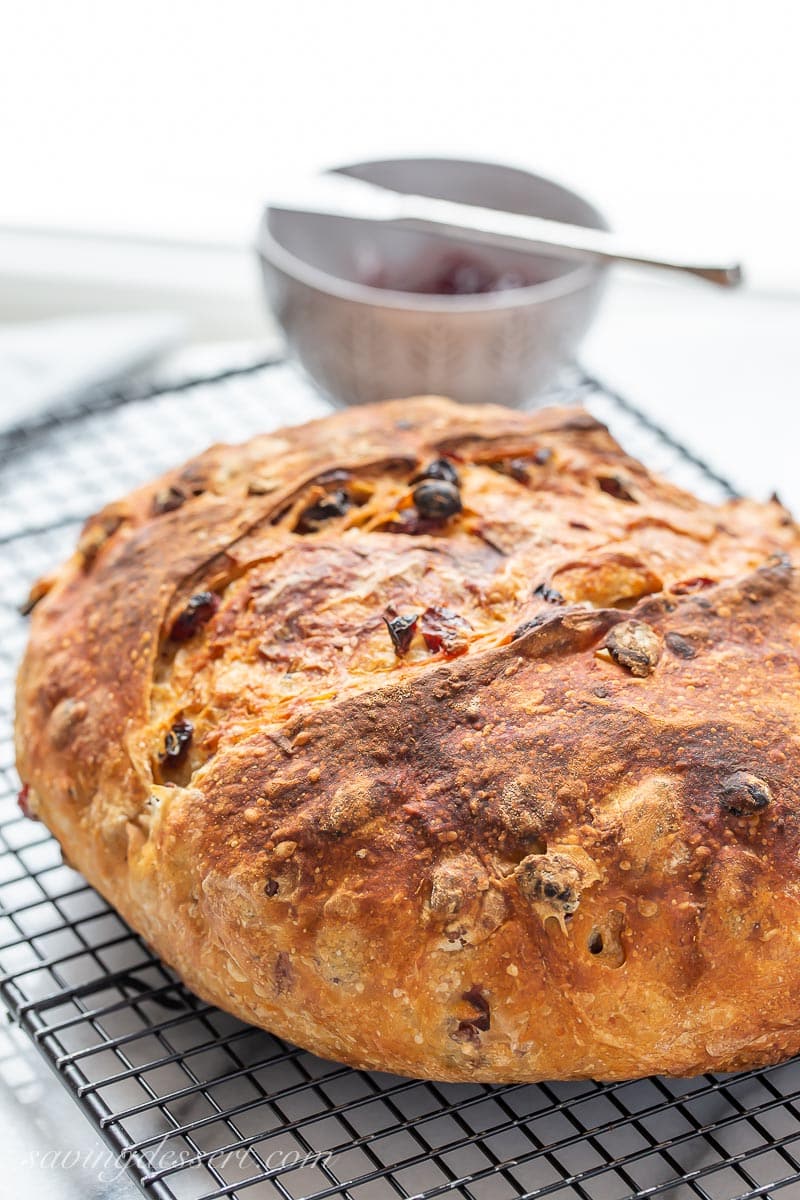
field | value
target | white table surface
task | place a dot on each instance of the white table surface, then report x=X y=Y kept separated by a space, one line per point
x=48 y=1149
x=722 y=371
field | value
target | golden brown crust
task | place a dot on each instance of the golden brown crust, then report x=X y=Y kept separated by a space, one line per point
x=494 y=781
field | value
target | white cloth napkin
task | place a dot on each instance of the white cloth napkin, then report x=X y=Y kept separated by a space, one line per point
x=48 y=365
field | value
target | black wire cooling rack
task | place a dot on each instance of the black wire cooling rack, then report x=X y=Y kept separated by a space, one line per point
x=199 y=1105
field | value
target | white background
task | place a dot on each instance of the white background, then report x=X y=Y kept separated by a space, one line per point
x=173 y=118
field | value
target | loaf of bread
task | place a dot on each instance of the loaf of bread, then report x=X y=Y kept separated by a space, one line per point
x=446 y=741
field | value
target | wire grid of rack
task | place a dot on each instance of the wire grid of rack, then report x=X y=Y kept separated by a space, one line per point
x=201 y=1106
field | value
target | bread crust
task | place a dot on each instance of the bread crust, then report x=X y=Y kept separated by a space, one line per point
x=552 y=833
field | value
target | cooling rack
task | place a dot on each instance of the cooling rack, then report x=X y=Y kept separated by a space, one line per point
x=199 y=1105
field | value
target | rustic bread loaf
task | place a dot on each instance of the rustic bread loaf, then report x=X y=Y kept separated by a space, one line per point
x=447 y=741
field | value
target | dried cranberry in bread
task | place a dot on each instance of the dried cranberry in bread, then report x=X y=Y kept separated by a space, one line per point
x=442 y=740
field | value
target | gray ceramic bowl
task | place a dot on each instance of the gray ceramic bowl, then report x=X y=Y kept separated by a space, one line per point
x=363 y=342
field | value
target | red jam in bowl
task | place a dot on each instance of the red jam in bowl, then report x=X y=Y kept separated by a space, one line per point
x=456 y=274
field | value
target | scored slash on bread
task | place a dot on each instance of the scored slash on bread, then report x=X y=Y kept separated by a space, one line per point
x=441 y=740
